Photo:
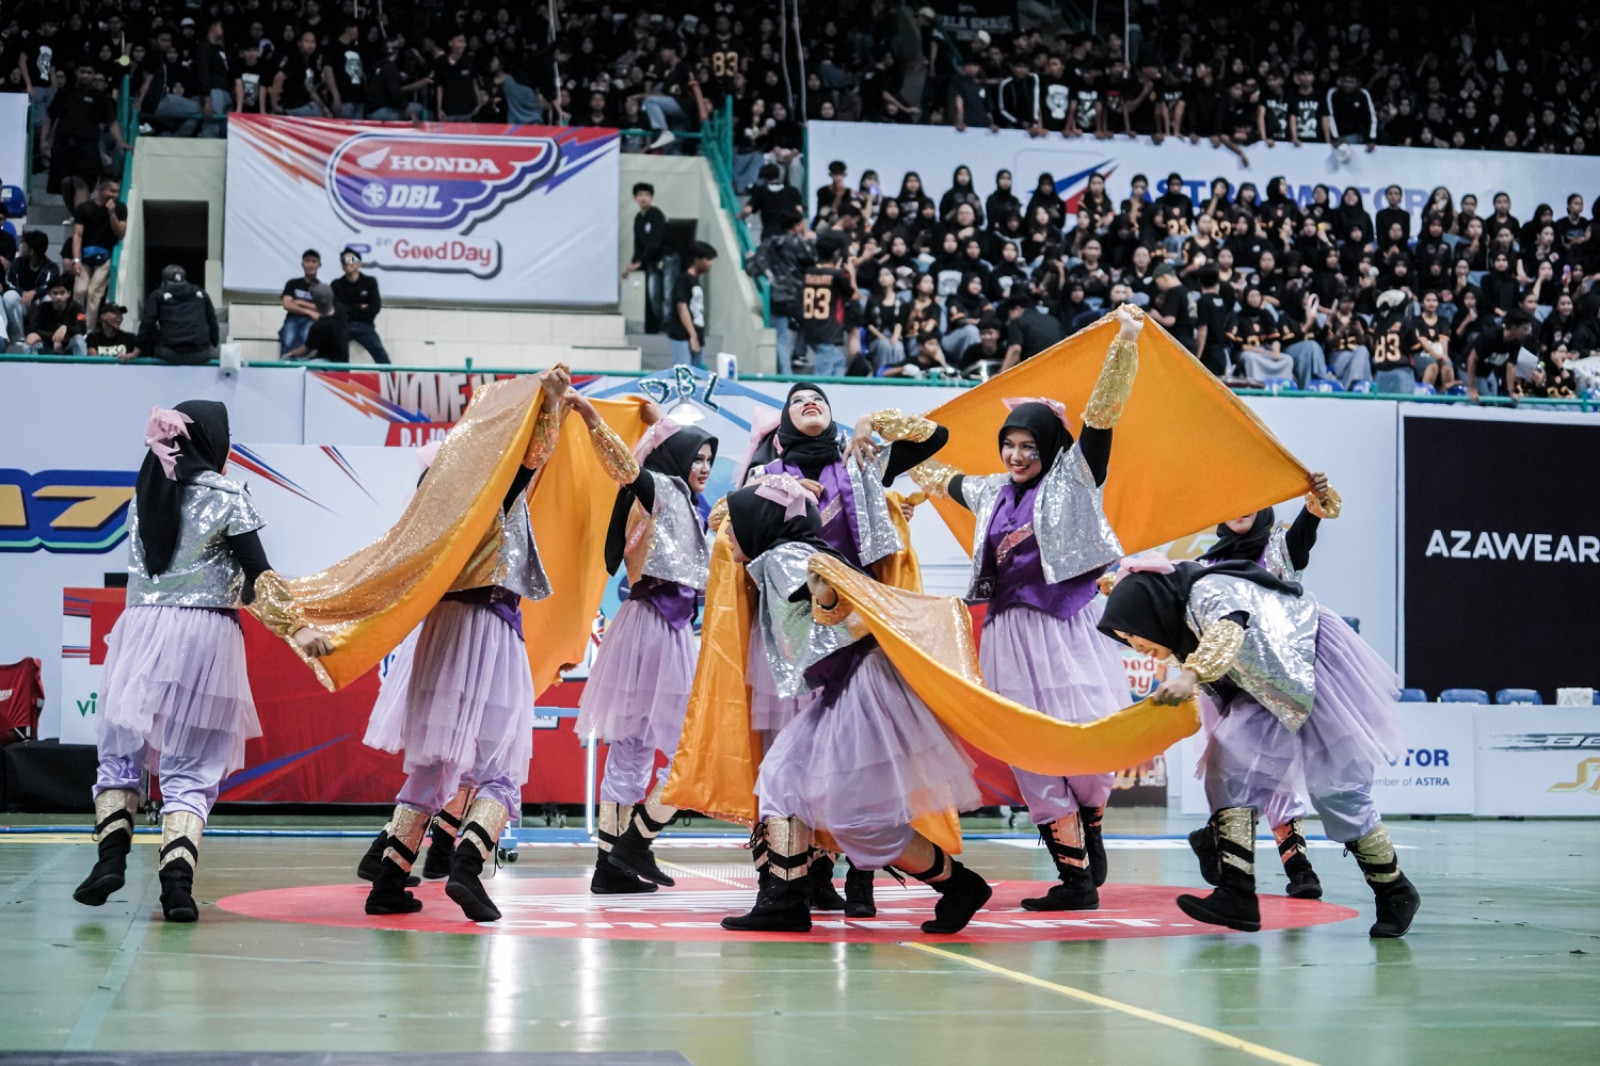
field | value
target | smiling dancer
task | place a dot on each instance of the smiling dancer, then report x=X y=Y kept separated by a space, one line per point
x=1257 y=538
x=177 y=698
x=858 y=524
x=1322 y=698
x=638 y=690
x=1043 y=539
x=463 y=702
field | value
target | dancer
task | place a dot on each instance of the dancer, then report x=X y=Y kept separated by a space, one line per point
x=866 y=757
x=859 y=524
x=1257 y=538
x=1043 y=541
x=1322 y=697
x=176 y=697
x=462 y=707
x=638 y=690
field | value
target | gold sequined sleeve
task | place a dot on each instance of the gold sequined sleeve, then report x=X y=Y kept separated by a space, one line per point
x=275 y=606
x=614 y=455
x=1111 y=391
x=1327 y=505
x=1219 y=647
x=892 y=424
x=718 y=515
x=546 y=431
x=933 y=477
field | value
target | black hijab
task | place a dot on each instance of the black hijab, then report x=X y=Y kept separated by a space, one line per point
x=1154 y=606
x=759 y=524
x=1049 y=434
x=1247 y=546
x=673 y=457
x=809 y=453
x=160 y=498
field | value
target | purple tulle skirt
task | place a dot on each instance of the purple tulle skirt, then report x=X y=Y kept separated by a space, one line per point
x=172 y=672
x=639 y=685
x=1066 y=669
x=459 y=692
x=877 y=757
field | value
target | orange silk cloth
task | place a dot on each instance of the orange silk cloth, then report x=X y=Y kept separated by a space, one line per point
x=1188 y=453
x=571 y=510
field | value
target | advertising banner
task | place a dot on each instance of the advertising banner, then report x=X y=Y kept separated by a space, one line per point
x=1538 y=761
x=464 y=213
x=14 y=139
x=1437 y=774
x=1502 y=552
x=935 y=151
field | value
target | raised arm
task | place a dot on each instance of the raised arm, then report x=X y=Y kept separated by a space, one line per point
x=1219 y=648
x=615 y=456
x=1110 y=395
x=912 y=439
x=266 y=595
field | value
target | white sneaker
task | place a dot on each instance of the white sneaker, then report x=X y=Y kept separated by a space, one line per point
x=666 y=138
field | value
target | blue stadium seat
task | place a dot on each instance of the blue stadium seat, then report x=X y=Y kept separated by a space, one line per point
x=1464 y=695
x=1507 y=696
x=1413 y=695
x=1364 y=387
x=13 y=200
x=1323 y=385
x=1278 y=384
x=1422 y=388
x=1458 y=389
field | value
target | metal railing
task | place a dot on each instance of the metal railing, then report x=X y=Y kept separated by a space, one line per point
x=128 y=122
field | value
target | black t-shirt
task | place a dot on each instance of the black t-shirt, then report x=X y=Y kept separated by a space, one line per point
x=118 y=342
x=1055 y=98
x=1034 y=330
x=1308 y=111
x=687 y=290
x=824 y=291
x=358 y=300
x=774 y=204
x=1174 y=303
x=455 y=82
x=299 y=78
x=1393 y=344
x=251 y=77
x=1495 y=350
x=80 y=112
x=96 y=223
x=1276 y=116
x=724 y=57
x=329 y=340
x=1215 y=312
x=349 y=71
x=300 y=289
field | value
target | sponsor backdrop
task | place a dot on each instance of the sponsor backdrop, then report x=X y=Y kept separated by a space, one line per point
x=469 y=213
x=935 y=151
x=1502 y=552
x=328 y=458
x=1538 y=760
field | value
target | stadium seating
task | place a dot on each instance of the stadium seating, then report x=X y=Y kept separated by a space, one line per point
x=1464 y=695
x=1508 y=696
x=1413 y=695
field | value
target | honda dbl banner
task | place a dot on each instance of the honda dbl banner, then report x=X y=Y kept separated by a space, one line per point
x=1501 y=552
x=459 y=212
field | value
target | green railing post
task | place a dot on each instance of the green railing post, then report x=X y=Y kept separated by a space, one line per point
x=128 y=120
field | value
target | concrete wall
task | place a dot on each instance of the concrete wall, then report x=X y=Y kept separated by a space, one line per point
x=685 y=189
x=171 y=168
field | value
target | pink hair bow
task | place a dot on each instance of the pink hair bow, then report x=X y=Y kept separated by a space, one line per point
x=761 y=424
x=653 y=438
x=786 y=490
x=1150 y=562
x=1014 y=402
x=163 y=428
x=429 y=452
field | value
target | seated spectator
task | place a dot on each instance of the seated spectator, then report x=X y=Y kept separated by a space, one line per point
x=1255 y=336
x=987 y=352
x=1432 y=333
x=179 y=323
x=296 y=299
x=881 y=315
x=109 y=338
x=927 y=358
x=356 y=295
x=922 y=312
x=1345 y=342
x=1393 y=345
x=55 y=324
x=1030 y=329
x=28 y=281
x=963 y=311
x=1551 y=380
x=1298 y=333
x=328 y=340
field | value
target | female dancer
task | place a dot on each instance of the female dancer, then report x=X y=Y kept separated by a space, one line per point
x=858 y=526
x=1044 y=540
x=638 y=690
x=1256 y=538
x=177 y=698
x=1322 y=697
x=463 y=706
x=866 y=757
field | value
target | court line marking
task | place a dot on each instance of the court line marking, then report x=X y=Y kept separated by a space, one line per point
x=87 y=1028
x=1215 y=1036
x=704 y=874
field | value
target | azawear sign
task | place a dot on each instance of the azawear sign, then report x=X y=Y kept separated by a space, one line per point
x=1501 y=551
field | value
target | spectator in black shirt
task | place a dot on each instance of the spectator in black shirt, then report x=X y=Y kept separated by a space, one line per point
x=357 y=298
x=1308 y=112
x=345 y=75
x=109 y=338
x=782 y=258
x=1214 y=316
x=73 y=126
x=456 y=92
x=774 y=199
x=329 y=338
x=649 y=255
x=297 y=87
x=1176 y=202
x=1030 y=329
x=1171 y=306
x=252 y=82
x=1272 y=111
x=55 y=325
x=1393 y=213
x=969 y=97
x=28 y=281
x=1017 y=99
x=1352 y=117
x=301 y=311
x=213 y=84
x=1492 y=359
x=686 y=329
x=179 y=324
x=825 y=291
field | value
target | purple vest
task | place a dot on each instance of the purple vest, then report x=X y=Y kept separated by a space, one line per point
x=507 y=605
x=838 y=506
x=1011 y=573
x=675 y=602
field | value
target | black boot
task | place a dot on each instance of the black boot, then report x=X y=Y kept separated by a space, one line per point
x=441 y=846
x=1233 y=904
x=180 y=851
x=484 y=823
x=372 y=862
x=1397 y=898
x=401 y=839
x=781 y=907
x=1094 y=842
x=1076 y=890
x=610 y=880
x=113 y=830
x=1203 y=842
x=1303 y=880
x=962 y=893
x=631 y=854
x=819 y=883
x=858 y=902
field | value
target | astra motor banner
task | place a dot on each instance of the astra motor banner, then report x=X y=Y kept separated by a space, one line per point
x=469 y=212
x=935 y=151
x=1501 y=551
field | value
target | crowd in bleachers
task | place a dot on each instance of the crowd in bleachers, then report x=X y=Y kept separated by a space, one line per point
x=1476 y=299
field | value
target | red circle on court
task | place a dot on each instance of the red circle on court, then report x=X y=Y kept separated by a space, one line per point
x=564 y=907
